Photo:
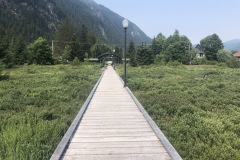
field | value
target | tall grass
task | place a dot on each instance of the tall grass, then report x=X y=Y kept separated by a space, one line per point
x=37 y=105
x=197 y=107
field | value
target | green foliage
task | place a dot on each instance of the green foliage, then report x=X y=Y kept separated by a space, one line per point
x=99 y=49
x=80 y=41
x=223 y=55
x=132 y=54
x=30 y=18
x=176 y=48
x=39 y=52
x=37 y=105
x=76 y=62
x=197 y=107
x=66 y=54
x=199 y=61
x=63 y=36
x=84 y=43
x=233 y=62
x=157 y=44
x=211 y=45
x=12 y=48
x=143 y=56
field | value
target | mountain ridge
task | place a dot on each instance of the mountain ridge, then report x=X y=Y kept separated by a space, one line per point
x=233 y=45
x=34 y=18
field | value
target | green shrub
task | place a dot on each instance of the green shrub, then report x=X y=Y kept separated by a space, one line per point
x=233 y=63
x=174 y=63
x=76 y=62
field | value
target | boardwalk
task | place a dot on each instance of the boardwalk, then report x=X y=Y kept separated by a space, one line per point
x=114 y=128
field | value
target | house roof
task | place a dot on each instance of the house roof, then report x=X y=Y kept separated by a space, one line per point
x=236 y=54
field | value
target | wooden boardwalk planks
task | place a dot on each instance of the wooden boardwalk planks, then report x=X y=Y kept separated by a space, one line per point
x=113 y=127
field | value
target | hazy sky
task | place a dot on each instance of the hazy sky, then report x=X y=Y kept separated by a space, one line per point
x=194 y=18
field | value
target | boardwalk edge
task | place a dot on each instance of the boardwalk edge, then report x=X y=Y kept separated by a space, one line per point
x=68 y=135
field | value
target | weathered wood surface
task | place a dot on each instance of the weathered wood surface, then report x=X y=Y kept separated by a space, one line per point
x=113 y=128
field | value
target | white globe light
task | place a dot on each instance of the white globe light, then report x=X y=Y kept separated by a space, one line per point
x=125 y=23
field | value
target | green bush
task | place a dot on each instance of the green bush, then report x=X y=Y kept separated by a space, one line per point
x=76 y=62
x=233 y=63
x=39 y=52
x=199 y=61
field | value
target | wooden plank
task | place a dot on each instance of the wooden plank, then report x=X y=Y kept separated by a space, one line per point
x=115 y=151
x=111 y=127
x=108 y=109
x=113 y=123
x=114 y=120
x=102 y=117
x=112 y=134
x=115 y=129
x=133 y=144
x=119 y=157
x=114 y=139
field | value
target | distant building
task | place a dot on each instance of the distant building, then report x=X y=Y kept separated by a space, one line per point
x=199 y=51
x=237 y=55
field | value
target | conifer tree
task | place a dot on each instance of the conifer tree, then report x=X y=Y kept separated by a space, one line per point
x=63 y=36
x=143 y=56
x=84 y=43
x=132 y=54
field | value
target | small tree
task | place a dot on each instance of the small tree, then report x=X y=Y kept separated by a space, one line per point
x=86 y=56
x=39 y=52
x=66 y=54
x=76 y=61
x=157 y=44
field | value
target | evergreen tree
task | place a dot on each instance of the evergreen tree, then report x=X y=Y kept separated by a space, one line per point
x=63 y=36
x=75 y=48
x=84 y=44
x=19 y=50
x=132 y=54
x=157 y=44
x=92 y=40
x=10 y=55
x=143 y=56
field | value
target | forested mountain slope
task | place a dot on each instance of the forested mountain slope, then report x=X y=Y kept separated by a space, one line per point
x=34 y=18
x=31 y=18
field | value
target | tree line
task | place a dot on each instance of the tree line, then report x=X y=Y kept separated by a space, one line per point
x=71 y=42
x=178 y=48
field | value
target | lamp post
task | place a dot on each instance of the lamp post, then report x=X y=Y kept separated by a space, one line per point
x=125 y=25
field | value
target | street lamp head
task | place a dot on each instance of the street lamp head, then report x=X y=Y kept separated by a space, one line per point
x=125 y=23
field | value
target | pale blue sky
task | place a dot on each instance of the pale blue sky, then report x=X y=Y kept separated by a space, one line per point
x=194 y=18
